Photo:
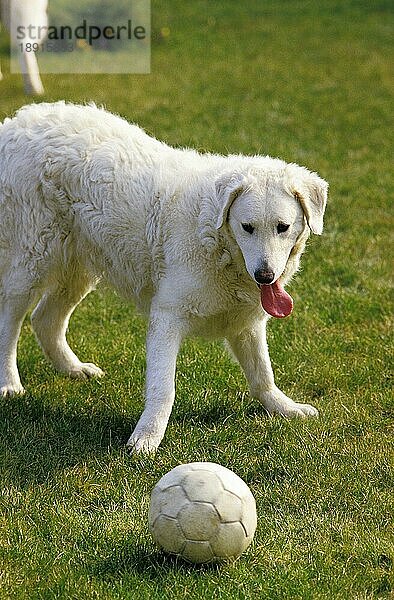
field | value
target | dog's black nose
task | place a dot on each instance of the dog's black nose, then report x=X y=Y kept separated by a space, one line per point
x=264 y=276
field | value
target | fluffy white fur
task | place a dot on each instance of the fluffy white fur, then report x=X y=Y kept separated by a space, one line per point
x=24 y=13
x=85 y=196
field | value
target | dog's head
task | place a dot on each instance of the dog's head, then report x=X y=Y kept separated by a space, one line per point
x=267 y=214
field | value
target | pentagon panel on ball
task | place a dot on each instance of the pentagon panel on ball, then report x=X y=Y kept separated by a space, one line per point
x=202 y=512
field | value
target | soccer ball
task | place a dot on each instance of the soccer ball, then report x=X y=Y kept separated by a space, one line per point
x=202 y=512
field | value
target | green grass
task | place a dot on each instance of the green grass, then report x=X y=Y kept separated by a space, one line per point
x=309 y=82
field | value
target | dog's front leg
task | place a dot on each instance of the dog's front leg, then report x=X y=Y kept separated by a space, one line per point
x=163 y=340
x=251 y=350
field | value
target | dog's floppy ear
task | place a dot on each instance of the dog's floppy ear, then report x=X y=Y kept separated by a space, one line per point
x=311 y=192
x=228 y=188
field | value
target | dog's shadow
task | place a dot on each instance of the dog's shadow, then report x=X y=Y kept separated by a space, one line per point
x=40 y=435
x=44 y=433
x=38 y=438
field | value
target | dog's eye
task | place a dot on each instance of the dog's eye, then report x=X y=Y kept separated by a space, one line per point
x=247 y=227
x=282 y=227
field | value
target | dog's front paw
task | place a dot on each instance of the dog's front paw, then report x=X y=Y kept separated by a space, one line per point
x=11 y=389
x=143 y=443
x=276 y=402
x=85 y=371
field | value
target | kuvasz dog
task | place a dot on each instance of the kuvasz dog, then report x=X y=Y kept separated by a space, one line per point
x=202 y=243
x=26 y=14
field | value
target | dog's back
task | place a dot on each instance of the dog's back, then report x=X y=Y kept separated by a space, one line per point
x=77 y=181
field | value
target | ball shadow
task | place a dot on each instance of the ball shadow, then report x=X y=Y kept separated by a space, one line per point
x=151 y=565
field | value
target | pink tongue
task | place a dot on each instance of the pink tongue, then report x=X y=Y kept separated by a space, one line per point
x=275 y=300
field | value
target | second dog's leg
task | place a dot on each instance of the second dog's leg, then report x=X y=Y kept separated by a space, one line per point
x=31 y=74
x=162 y=345
x=50 y=321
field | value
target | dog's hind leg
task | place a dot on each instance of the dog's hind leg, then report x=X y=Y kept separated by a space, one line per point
x=12 y=312
x=50 y=321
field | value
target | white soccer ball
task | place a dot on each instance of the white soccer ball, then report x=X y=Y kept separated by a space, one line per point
x=202 y=512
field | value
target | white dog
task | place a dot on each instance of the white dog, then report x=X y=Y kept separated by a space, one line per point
x=26 y=14
x=202 y=243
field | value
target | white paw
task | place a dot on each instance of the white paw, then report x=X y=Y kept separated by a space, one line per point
x=277 y=403
x=143 y=444
x=306 y=410
x=11 y=389
x=85 y=371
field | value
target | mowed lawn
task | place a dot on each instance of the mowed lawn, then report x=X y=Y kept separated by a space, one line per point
x=309 y=82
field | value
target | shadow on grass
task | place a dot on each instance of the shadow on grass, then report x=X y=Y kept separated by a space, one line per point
x=226 y=404
x=142 y=561
x=45 y=433
x=42 y=434
x=52 y=431
x=38 y=437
